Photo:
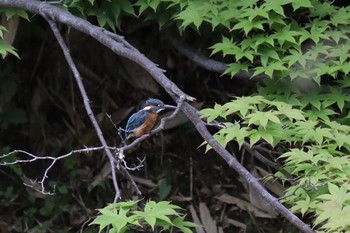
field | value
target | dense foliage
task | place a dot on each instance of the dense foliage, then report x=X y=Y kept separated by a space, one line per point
x=162 y=216
x=302 y=107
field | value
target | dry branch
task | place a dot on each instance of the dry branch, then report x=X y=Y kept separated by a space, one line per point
x=86 y=102
x=32 y=158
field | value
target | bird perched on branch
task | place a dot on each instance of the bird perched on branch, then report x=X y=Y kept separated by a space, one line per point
x=143 y=121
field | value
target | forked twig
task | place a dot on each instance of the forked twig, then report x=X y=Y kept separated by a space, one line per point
x=33 y=158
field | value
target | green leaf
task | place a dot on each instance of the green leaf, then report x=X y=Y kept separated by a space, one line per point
x=262 y=118
x=322 y=9
x=321 y=133
x=183 y=225
x=341 y=16
x=267 y=136
x=212 y=113
x=2 y=28
x=275 y=6
x=274 y=66
x=127 y=205
x=234 y=68
x=103 y=221
x=154 y=4
x=246 y=25
x=6 y=48
x=341 y=138
x=286 y=35
x=191 y=15
x=302 y=205
x=126 y=6
x=242 y=105
x=301 y=3
x=256 y=40
x=164 y=188
x=221 y=140
x=254 y=137
x=151 y=221
x=235 y=132
x=337 y=163
x=291 y=113
x=294 y=57
x=62 y=189
x=10 y=12
x=338 y=97
x=118 y=220
x=160 y=210
x=254 y=12
x=227 y=47
x=266 y=54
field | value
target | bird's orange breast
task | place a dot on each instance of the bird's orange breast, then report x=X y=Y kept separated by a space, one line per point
x=152 y=120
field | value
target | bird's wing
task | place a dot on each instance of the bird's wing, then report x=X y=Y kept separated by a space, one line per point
x=135 y=121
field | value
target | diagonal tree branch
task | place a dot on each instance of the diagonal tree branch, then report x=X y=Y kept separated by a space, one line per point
x=231 y=160
x=122 y=49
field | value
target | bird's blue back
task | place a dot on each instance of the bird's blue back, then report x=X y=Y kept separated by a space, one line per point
x=135 y=121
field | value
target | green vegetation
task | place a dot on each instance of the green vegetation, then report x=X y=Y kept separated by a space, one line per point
x=162 y=216
x=300 y=109
x=303 y=46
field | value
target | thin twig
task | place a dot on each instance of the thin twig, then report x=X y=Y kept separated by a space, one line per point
x=133 y=183
x=86 y=101
x=31 y=158
x=137 y=167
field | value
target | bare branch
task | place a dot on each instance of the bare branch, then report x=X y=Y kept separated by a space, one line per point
x=112 y=159
x=86 y=101
x=137 y=167
x=32 y=158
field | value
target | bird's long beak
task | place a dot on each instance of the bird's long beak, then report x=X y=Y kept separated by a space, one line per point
x=167 y=106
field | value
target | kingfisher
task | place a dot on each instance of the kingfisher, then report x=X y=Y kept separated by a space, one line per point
x=143 y=121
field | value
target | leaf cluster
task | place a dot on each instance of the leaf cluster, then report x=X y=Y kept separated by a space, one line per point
x=107 y=13
x=297 y=44
x=313 y=128
x=7 y=13
x=156 y=215
x=284 y=38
